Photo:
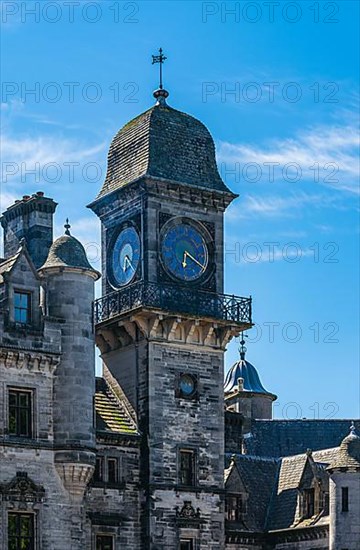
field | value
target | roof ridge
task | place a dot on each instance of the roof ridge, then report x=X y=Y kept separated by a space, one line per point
x=119 y=395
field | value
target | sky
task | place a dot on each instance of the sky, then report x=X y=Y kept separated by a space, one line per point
x=277 y=84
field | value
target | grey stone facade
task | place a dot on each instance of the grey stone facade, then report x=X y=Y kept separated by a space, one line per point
x=136 y=460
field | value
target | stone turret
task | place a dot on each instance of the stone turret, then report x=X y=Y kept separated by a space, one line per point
x=69 y=288
x=30 y=219
x=345 y=494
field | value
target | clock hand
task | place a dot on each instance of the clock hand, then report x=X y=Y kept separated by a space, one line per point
x=127 y=262
x=193 y=259
x=184 y=260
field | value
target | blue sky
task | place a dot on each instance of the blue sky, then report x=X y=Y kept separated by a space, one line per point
x=278 y=91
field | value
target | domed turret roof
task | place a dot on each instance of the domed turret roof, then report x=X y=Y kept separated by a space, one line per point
x=245 y=370
x=348 y=454
x=163 y=143
x=250 y=377
x=67 y=251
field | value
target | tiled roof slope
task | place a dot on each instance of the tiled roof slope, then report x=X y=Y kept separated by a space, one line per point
x=276 y=438
x=258 y=476
x=163 y=143
x=7 y=265
x=284 y=504
x=348 y=454
x=112 y=415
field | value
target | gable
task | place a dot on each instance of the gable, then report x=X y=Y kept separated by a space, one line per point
x=233 y=481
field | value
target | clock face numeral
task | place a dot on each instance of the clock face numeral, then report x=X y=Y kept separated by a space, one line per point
x=184 y=252
x=125 y=256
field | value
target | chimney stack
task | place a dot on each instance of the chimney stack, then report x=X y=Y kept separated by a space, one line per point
x=30 y=218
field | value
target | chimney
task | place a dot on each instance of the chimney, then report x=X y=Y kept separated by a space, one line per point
x=30 y=218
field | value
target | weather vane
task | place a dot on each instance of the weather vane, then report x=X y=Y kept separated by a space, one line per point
x=159 y=59
x=67 y=227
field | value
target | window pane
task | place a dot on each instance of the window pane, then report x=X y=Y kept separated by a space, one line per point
x=12 y=421
x=12 y=525
x=13 y=398
x=24 y=422
x=104 y=542
x=25 y=529
x=23 y=316
x=19 y=413
x=22 y=307
x=112 y=470
x=17 y=315
x=187 y=467
x=20 y=531
x=98 y=474
x=24 y=399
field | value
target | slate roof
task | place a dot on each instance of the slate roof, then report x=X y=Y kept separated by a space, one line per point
x=245 y=370
x=112 y=415
x=163 y=143
x=258 y=476
x=276 y=438
x=7 y=265
x=66 y=251
x=272 y=486
x=284 y=503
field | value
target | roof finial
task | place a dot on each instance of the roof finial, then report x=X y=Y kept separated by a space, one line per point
x=242 y=348
x=160 y=94
x=352 y=429
x=67 y=227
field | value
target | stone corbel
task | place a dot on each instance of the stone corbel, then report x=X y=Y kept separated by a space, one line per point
x=109 y=337
x=190 y=328
x=171 y=325
x=130 y=329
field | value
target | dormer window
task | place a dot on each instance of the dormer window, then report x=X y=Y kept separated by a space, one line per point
x=22 y=307
x=235 y=507
x=309 y=503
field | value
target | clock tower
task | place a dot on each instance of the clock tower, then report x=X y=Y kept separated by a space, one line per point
x=163 y=321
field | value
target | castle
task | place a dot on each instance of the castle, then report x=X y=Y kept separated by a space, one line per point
x=157 y=453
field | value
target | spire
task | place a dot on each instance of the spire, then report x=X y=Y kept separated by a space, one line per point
x=67 y=227
x=353 y=429
x=242 y=348
x=160 y=94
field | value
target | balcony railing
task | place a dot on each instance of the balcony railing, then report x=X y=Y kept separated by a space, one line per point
x=174 y=299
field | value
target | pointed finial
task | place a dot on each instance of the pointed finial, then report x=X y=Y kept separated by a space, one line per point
x=352 y=429
x=67 y=227
x=160 y=94
x=242 y=348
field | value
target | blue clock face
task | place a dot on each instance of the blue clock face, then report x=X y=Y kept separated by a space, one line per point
x=184 y=252
x=125 y=256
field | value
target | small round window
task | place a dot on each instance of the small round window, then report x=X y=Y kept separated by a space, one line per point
x=187 y=385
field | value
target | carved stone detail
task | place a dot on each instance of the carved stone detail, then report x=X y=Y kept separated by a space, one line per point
x=21 y=489
x=168 y=328
x=75 y=478
x=32 y=361
x=187 y=511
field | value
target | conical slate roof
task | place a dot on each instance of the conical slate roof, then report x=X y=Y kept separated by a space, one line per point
x=245 y=370
x=348 y=454
x=163 y=143
x=67 y=251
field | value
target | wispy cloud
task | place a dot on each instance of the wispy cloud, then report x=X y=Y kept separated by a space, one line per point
x=326 y=155
x=290 y=206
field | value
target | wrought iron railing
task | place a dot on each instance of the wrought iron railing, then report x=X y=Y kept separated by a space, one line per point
x=179 y=300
